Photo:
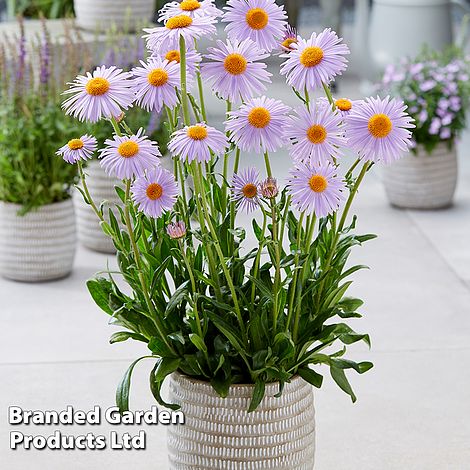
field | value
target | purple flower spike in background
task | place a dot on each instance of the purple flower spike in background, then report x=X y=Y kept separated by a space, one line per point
x=233 y=70
x=258 y=125
x=168 y=36
x=316 y=133
x=192 y=8
x=126 y=157
x=245 y=189
x=156 y=83
x=197 y=142
x=155 y=192
x=315 y=61
x=81 y=149
x=262 y=21
x=378 y=129
x=105 y=93
x=315 y=189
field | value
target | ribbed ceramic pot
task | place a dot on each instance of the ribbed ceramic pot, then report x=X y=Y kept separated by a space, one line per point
x=39 y=246
x=423 y=181
x=99 y=15
x=220 y=434
x=101 y=188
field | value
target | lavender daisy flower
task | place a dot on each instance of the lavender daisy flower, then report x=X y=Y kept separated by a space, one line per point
x=176 y=230
x=105 y=93
x=81 y=149
x=127 y=157
x=316 y=188
x=315 y=61
x=155 y=84
x=197 y=142
x=193 y=59
x=378 y=129
x=191 y=8
x=167 y=37
x=258 y=125
x=262 y=21
x=316 y=134
x=245 y=189
x=289 y=39
x=234 y=74
x=155 y=192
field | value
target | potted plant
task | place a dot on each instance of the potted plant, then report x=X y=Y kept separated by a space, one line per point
x=436 y=90
x=37 y=225
x=242 y=329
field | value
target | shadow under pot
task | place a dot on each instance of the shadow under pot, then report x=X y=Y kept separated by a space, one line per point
x=423 y=180
x=220 y=433
x=38 y=246
x=102 y=189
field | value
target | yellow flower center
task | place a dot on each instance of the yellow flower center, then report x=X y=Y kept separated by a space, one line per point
x=235 y=64
x=180 y=21
x=259 y=117
x=75 y=144
x=197 y=132
x=128 y=149
x=173 y=56
x=157 y=77
x=318 y=183
x=154 y=191
x=288 y=42
x=190 y=5
x=97 y=86
x=316 y=134
x=311 y=56
x=257 y=18
x=250 y=190
x=380 y=125
x=343 y=104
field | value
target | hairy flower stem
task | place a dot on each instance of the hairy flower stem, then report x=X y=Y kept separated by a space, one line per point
x=184 y=86
x=226 y=157
x=258 y=257
x=138 y=262
x=268 y=165
x=277 y=267
x=296 y=273
x=87 y=192
x=232 y=203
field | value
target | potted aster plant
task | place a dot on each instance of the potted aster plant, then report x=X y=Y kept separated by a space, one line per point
x=37 y=224
x=436 y=90
x=242 y=329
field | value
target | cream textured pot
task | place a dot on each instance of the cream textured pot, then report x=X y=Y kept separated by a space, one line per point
x=220 y=434
x=423 y=181
x=38 y=246
x=101 y=14
x=101 y=188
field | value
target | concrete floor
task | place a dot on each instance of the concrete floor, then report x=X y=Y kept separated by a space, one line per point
x=413 y=409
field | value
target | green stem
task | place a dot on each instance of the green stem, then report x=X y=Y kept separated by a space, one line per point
x=116 y=127
x=201 y=96
x=258 y=258
x=268 y=165
x=87 y=192
x=328 y=94
x=277 y=275
x=184 y=87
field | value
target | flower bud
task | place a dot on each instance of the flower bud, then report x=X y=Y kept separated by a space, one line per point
x=176 y=230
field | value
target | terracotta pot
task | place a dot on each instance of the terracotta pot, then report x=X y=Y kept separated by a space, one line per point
x=219 y=433
x=38 y=246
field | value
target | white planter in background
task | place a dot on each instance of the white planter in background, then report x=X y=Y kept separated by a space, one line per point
x=39 y=246
x=423 y=181
x=101 y=187
x=99 y=15
x=220 y=434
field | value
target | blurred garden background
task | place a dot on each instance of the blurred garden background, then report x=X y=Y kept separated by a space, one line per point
x=413 y=408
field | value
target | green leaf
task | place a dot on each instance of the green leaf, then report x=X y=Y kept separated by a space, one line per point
x=340 y=378
x=99 y=289
x=156 y=389
x=179 y=295
x=258 y=395
x=125 y=335
x=360 y=367
x=198 y=342
x=122 y=392
x=311 y=376
x=166 y=366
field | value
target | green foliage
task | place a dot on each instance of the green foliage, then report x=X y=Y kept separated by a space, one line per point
x=48 y=8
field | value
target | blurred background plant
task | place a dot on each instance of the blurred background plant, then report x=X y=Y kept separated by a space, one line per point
x=33 y=73
x=36 y=8
x=436 y=88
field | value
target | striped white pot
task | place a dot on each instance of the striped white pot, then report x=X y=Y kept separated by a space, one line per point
x=423 y=181
x=39 y=246
x=220 y=434
x=101 y=188
x=99 y=15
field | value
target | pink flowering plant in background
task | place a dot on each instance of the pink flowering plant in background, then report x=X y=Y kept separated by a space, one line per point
x=436 y=89
x=206 y=301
